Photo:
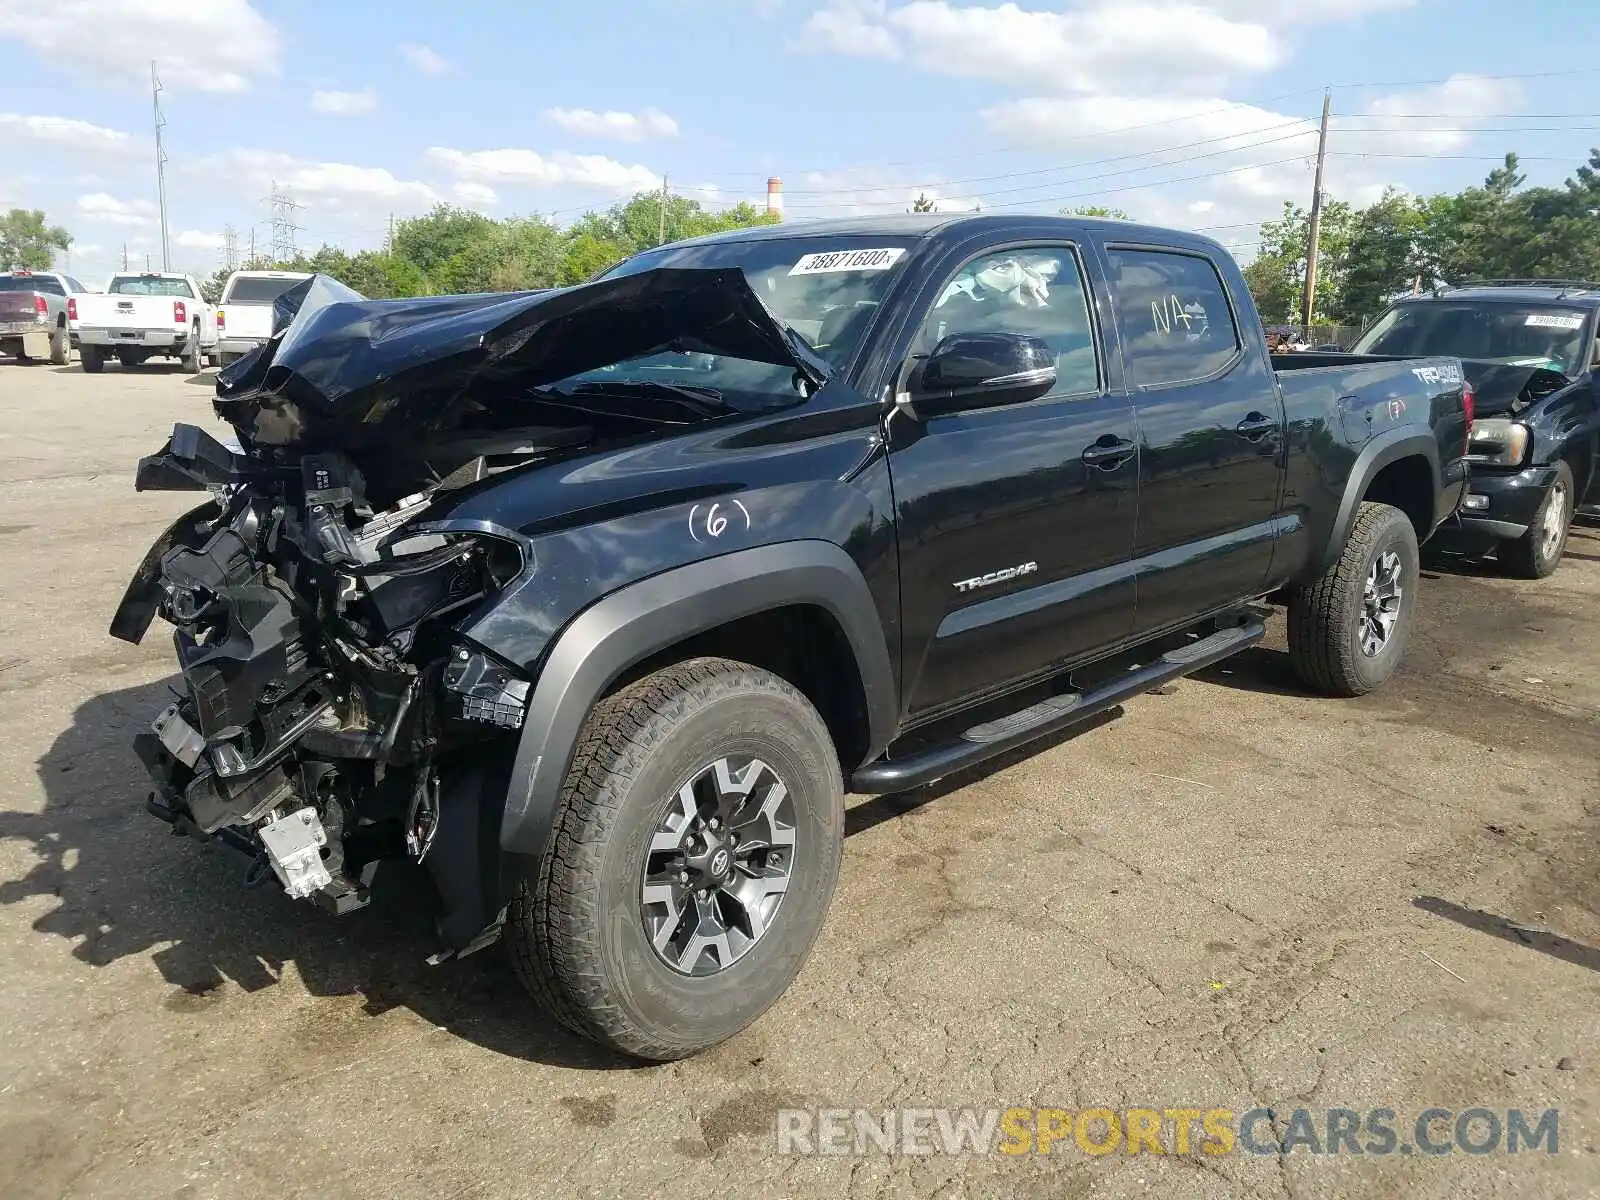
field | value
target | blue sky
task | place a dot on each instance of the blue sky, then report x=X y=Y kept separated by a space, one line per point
x=1191 y=112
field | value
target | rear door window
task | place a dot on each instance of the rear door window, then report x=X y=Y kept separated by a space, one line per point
x=1173 y=316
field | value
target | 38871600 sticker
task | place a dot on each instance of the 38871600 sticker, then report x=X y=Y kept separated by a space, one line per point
x=826 y=261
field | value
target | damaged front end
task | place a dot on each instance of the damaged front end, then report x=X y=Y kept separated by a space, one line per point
x=325 y=697
x=333 y=715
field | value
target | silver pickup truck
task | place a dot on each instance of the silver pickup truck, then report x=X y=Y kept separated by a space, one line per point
x=36 y=314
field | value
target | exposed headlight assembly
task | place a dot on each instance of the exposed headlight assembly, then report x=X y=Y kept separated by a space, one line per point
x=1499 y=442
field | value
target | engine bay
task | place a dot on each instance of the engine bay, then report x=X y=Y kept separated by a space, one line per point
x=324 y=695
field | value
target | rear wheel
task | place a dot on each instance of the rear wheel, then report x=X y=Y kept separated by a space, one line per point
x=193 y=356
x=1348 y=630
x=693 y=858
x=60 y=346
x=92 y=359
x=1538 y=552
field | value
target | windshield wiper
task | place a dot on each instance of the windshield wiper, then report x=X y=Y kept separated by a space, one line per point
x=701 y=400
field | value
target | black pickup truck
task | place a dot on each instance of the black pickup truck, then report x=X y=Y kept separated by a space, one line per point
x=596 y=602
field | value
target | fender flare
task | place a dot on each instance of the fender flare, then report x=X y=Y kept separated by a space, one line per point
x=644 y=618
x=1377 y=454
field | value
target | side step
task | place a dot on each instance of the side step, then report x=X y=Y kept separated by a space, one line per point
x=992 y=738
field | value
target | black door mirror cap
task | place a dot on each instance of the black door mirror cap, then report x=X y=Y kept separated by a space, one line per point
x=981 y=370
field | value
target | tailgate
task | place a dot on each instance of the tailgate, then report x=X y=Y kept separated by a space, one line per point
x=126 y=312
x=247 y=321
x=17 y=306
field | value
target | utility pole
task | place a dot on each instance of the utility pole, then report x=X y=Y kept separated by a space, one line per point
x=161 y=164
x=388 y=242
x=230 y=248
x=252 y=247
x=1309 y=300
x=147 y=260
x=124 y=256
x=661 y=230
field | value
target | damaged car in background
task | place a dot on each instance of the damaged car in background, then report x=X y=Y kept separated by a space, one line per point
x=594 y=602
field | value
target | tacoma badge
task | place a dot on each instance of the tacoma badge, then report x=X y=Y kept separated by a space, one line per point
x=967 y=585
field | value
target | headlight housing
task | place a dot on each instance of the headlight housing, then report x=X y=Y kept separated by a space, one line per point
x=1499 y=442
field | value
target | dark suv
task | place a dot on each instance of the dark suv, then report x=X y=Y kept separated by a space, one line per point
x=1530 y=352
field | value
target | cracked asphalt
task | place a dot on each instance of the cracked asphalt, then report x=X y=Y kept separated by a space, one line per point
x=1231 y=895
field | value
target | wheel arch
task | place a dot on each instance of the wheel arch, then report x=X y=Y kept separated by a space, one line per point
x=1399 y=468
x=749 y=605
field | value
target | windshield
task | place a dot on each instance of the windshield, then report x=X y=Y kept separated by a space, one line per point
x=1533 y=335
x=257 y=290
x=150 y=285
x=825 y=289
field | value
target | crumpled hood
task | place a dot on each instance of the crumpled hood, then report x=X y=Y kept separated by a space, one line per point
x=342 y=372
x=1497 y=386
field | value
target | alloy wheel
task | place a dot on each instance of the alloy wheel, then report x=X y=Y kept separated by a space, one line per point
x=718 y=866
x=1380 y=603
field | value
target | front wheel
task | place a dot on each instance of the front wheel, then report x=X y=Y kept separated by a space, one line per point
x=60 y=346
x=1538 y=552
x=692 y=861
x=1348 y=630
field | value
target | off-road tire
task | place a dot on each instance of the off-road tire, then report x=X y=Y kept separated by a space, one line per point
x=1527 y=557
x=1324 y=616
x=575 y=934
x=92 y=359
x=60 y=346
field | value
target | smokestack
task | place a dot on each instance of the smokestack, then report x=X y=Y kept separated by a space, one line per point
x=775 y=197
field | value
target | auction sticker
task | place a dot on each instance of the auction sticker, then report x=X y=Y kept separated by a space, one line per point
x=847 y=260
x=1552 y=320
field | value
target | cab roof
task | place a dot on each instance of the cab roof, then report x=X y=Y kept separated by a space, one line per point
x=1577 y=293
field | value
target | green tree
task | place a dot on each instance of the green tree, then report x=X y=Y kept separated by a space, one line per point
x=1096 y=210
x=1384 y=255
x=27 y=242
x=924 y=203
x=1277 y=276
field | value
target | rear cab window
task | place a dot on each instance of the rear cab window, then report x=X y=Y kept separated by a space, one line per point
x=43 y=284
x=150 y=285
x=1173 y=315
x=257 y=290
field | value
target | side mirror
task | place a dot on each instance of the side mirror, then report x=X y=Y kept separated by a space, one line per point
x=981 y=370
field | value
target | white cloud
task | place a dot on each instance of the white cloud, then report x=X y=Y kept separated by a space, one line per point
x=106 y=209
x=621 y=126
x=866 y=191
x=530 y=167
x=1101 y=45
x=198 y=45
x=1428 y=120
x=477 y=194
x=424 y=58
x=68 y=133
x=195 y=239
x=1304 y=11
x=345 y=104
x=311 y=182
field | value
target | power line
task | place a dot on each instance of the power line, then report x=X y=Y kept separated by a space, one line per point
x=1105 y=174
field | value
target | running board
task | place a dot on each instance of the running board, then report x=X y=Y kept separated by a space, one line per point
x=991 y=738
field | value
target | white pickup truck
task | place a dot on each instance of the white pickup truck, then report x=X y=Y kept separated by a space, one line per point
x=144 y=314
x=244 y=313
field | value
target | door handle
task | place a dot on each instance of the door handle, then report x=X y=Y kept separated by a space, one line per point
x=1107 y=455
x=1256 y=426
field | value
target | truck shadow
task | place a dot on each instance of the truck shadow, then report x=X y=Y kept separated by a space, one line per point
x=121 y=885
